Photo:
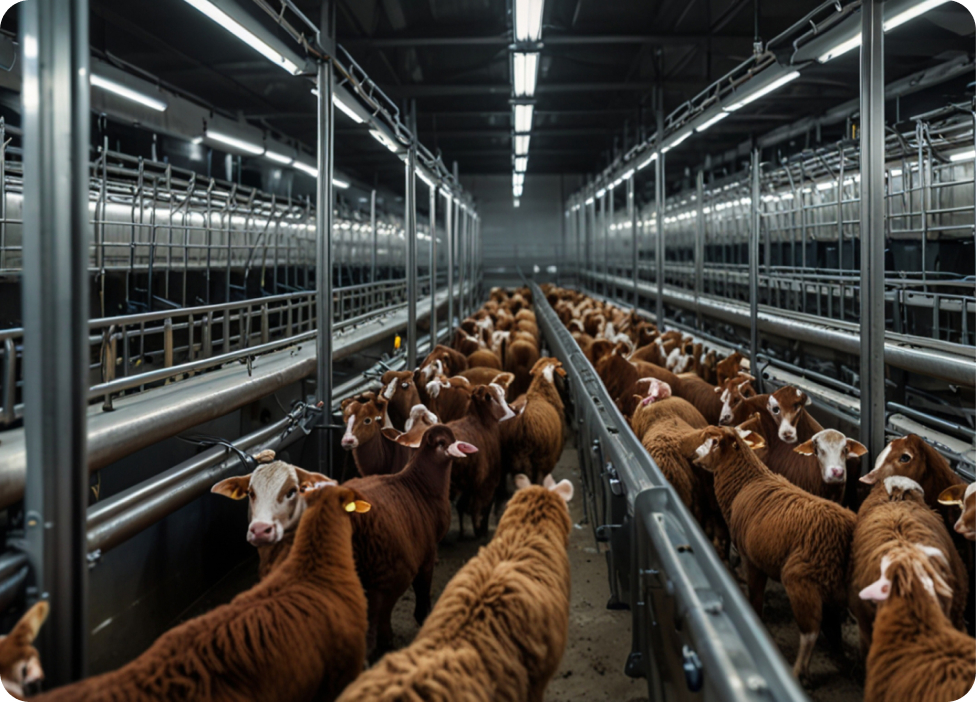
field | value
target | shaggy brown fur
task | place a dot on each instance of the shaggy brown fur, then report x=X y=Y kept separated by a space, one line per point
x=783 y=533
x=480 y=376
x=454 y=361
x=533 y=441
x=475 y=478
x=518 y=359
x=401 y=397
x=299 y=634
x=702 y=396
x=451 y=403
x=900 y=520
x=483 y=358
x=916 y=654
x=499 y=629
x=646 y=416
x=728 y=367
x=396 y=543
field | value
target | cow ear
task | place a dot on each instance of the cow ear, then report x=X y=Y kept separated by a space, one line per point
x=235 y=488
x=522 y=481
x=805 y=449
x=307 y=479
x=877 y=591
x=564 y=489
x=856 y=448
x=754 y=441
x=953 y=495
x=26 y=629
x=411 y=440
x=391 y=433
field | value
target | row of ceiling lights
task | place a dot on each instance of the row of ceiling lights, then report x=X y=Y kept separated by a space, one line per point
x=248 y=37
x=525 y=71
x=841 y=48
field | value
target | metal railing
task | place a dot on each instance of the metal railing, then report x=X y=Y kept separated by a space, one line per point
x=138 y=351
x=809 y=238
x=694 y=635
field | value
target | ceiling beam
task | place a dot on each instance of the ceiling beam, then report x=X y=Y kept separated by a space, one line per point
x=426 y=91
x=353 y=43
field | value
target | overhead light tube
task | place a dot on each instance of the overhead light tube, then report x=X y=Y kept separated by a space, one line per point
x=521 y=145
x=752 y=97
x=128 y=93
x=278 y=158
x=521 y=163
x=524 y=68
x=523 y=118
x=528 y=19
x=245 y=35
x=647 y=162
x=235 y=143
x=714 y=120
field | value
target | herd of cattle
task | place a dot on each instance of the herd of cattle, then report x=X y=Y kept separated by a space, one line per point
x=478 y=427
x=759 y=473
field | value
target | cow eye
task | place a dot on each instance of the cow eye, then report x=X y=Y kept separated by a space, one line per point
x=775 y=410
x=905 y=458
x=291 y=493
x=250 y=493
x=404 y=385
x=367 y=421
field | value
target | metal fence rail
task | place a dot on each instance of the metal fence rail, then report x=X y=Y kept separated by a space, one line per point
x=694 y=635
x=809 y=251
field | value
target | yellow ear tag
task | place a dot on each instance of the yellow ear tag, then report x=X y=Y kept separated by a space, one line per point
x=361 y=506
x=350 y=507
x=396 y=342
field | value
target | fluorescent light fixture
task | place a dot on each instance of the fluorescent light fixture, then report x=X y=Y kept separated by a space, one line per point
x=963 y=156
x=521 y=145
x=523 y=118
x=384 y=140
x=197 y=140
x=589 y=201
x=840 y=49
x=515 y=202
x=714 y=120
x=521 y=163
x=628 y=175
x=311 y=170
x=650 y=159
x=278 y=158
x=128 y=93
x=341 y=184
x=528 y=19
x=525 y=67
x=517 y=190
x=600 y=193
x=617 y=182
x=911 y=13
x=778 y=83
x=245 y=35
x=345 y=109
x=235 y=143
x=825 y=185
x=680 y=140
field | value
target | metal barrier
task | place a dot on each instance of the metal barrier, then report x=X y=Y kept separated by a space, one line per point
x=694 y=634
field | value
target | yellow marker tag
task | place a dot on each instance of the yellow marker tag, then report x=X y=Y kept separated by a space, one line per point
x=350 y=507
x=357 y=506
x=396 y=342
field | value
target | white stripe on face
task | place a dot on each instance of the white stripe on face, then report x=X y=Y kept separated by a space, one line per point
x=882 y=457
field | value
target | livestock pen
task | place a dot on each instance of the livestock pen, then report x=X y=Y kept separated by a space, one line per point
x=246 y=238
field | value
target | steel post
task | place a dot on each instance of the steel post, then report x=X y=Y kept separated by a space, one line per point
x=433 y=264
x=325 y=198
x=659 y=219
x=372 y=224
x=754 y=234
x=632 y=218
x=55 y=104
x=607 y=228
x=700 y=244
x=410 y=225
x=602 y=229
x=449 y=219
x=872 y=230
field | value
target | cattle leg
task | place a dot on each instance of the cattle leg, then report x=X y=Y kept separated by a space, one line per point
x=421 y=591
x=808 y=611
x=756 y=582
x=384 y=626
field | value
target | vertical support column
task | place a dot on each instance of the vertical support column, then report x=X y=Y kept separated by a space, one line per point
x=325 y=198
x=699 y=245
x=607 y=228
x=632 y=218
x=372 y=224
x=433 y=265
x=754 y=226
x=449 y=240
x=462 y=222
x=410 y=224
x=659 y=219
x=602 y=228
x=872 y=135
x=54 y=46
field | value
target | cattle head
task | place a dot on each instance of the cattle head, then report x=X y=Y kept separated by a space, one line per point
x=20 y=663
x=831 y=449
x=964 y=497
x=786 y=406
x=276 y=498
